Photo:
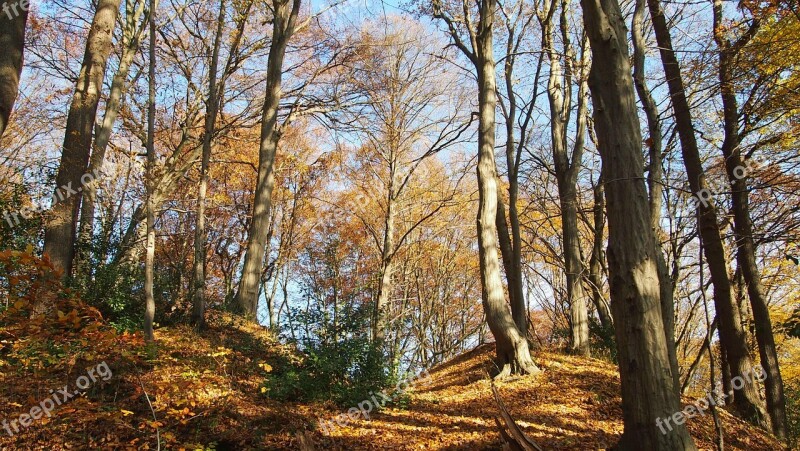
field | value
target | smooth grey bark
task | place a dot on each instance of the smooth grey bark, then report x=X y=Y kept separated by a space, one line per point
x=283 y=27
x=12 y=41
x=732 y=336
x=567 y=164
x=62 y=221
x=513 y=354
x=742 y=222
x=149 y=264
x=200 y=235
x=655 y=176
x=131 y=37
x=648 y=392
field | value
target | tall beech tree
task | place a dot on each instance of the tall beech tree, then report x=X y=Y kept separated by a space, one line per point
x=62 y=221
x=567 y=162
x=284 y=23
x=513 y=354
x=648 y=389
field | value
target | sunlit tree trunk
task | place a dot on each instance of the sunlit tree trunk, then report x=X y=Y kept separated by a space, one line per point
x=283 y=26
x=648 y=391
x=60 y=229
x=12 y=41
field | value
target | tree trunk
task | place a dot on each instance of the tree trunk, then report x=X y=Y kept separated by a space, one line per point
x=149 y=264
x=513 y=355
x=743 y=228
x=595 y=261
x=13 y=21
x=654 y=181
x=60 y=230
x=746 y=400
x=385 y=286
x=212 y=106
x=130 y=45
x=285 y=16
x=648 y=389
x=513 y=275
x=567 y=166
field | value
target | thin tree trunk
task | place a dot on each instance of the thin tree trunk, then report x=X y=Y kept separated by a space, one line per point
x=595 y=261
x=743 y=226
x=654 y=180
x=149 y=265
x=61 y=227
x=648 y=389
x=212 y=106
x=13 y=21
x=746 y=400
x=285 y=16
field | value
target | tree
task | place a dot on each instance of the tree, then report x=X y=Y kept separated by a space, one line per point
x=648 y=390
x=728 y=51
x=149 y=265
x=732 y=335
x=404 y=119
x=212 y=107
x=567 y=163
x=283 y=27
x=61 y=227
x=513 y=355
x=134 y=26
x=655 y=177
x=13 y=21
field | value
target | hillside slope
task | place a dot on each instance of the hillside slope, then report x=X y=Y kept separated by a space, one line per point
x=204 y=391
x=573 y=405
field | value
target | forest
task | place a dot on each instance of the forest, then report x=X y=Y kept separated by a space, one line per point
x=419 y=224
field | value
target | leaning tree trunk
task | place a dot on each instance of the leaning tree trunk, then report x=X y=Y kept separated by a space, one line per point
x=513 y=355
x=60 y=229
x=655 y=178
x=648 y=392
x=743 y=226
x=283 y=25
x=12 y=41
x=732 y=336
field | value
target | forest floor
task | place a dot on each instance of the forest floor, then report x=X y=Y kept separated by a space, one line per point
x=204 y=391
